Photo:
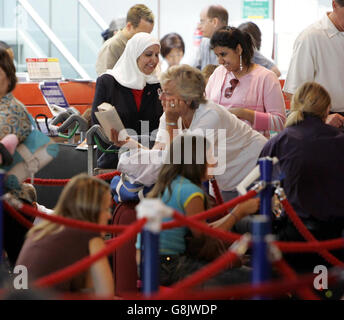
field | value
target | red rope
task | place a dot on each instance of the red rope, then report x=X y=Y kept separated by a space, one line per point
x=83 y=264
x=200 y=276
x=217 y=192
x=48 y=182
x=62 y=182
x=285 y=270
x=108 y=176
x=243 y=291
x=217 y=233
x=313 y=246
x=70 y=222
x=16 y=215
x=307 y=235
x=213 y=212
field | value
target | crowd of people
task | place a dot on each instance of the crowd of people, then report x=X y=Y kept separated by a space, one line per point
x=212 y=119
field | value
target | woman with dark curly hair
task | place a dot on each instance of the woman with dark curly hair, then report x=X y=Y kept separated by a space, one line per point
x=250 y=91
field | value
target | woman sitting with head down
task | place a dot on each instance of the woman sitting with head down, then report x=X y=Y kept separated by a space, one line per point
x=311 y=158
x=248 y=90
x=310 y=154
x=50 y=247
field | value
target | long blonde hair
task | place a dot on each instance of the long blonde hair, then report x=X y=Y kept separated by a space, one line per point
x=81 y=199
x=310 y=98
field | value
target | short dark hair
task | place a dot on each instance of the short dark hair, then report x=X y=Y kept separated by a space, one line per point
x=340 y=2
x=7 y=65
x=138 y=12
x=171 y=41
x=218 y=12
x=253 y=30
x=230 y=37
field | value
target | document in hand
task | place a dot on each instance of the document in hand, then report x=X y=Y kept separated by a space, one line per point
x=109 y=118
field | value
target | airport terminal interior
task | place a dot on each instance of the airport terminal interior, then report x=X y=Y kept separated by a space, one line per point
x=171 y=150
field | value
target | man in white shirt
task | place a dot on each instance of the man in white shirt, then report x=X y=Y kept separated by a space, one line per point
x=318 y=56
x=139 y=19
x=212 y=19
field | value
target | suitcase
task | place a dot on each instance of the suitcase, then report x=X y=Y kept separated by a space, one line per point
x=124 y=258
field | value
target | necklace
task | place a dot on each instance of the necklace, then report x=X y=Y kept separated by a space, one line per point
x=184 y=121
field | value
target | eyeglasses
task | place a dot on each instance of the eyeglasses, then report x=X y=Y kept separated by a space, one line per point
x=160 y=93
x=229 y=91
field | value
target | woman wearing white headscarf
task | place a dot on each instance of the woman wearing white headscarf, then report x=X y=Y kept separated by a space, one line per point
x=131 y=86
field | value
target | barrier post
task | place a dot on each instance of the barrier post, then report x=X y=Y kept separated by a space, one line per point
x=265 y=165
x=2 y=175
x=150 y=272
x=260 y=262
x=154 y=210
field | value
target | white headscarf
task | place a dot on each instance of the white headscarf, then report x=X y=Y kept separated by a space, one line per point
x=126 y=71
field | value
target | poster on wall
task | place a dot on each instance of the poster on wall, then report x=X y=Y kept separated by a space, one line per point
x=253 y=9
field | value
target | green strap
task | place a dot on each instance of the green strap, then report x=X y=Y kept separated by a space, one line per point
x=99 y=146
x=72 y=133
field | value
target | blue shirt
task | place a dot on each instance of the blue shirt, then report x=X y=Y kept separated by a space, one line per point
x=183 y=191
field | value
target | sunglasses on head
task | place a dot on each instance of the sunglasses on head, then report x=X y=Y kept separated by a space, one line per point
x=229 y=91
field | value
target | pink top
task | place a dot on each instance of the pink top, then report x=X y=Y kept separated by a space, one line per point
x=258 y=90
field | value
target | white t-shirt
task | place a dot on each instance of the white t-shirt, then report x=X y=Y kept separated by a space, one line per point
x=236 y=145
x=319 y=56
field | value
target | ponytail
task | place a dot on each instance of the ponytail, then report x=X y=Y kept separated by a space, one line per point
x=294 y=118
x=310 y=98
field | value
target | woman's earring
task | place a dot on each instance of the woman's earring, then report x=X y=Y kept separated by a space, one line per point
x=240 y=63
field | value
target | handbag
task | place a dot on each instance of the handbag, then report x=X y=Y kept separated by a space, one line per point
x=123 y=190
x=31 y=155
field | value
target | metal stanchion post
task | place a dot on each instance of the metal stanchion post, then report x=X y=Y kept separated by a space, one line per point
x=265 y=165
x=154 y=210
x=150 y=272
x=260 y=262
x=261 y=227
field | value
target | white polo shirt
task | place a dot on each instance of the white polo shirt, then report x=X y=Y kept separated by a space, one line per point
x=319 y=56
x=235 y=144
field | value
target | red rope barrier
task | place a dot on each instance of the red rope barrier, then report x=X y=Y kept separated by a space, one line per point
x=86 y=262
x=108 y=176
x=217 y=192
x=313 y=246
x=307 y=235
x=200 y=276
x=47 y=182
x=213 y=212
x=245 y=291
x=62 y=182
x=16 y=215
x=221 y=234
x=288 y=273
x=26 y=209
